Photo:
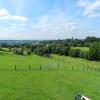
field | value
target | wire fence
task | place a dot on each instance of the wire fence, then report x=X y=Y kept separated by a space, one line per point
x=50 y=68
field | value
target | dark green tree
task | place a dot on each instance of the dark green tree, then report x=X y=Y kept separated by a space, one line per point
x=94 y=51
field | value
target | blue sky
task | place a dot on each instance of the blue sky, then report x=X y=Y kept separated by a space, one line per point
x=49 y=19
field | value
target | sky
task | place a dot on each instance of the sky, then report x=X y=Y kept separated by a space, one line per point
x=49 y=19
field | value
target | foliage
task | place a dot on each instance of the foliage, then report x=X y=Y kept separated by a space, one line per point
x=94 y=52
x=84 y=54
x=74 y=52
x=82 y=47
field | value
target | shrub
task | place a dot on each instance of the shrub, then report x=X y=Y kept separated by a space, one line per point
x=18 y=51
x=47 y=55
x=84 y=54
x=65 y=50
x=94 y=51
x=74 y=52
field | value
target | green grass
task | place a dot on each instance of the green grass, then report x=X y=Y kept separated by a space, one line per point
x=81 y=48
x=47 y=84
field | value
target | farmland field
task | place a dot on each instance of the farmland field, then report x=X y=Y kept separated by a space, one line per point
x=48 y=83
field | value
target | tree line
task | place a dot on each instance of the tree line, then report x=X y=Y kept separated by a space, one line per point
x=60 y=47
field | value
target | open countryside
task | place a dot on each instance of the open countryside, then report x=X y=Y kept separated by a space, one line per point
x=49 y=49
x=32 y=76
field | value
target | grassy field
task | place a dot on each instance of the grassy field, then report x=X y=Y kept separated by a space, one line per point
x=81 y=48
x=48 y=83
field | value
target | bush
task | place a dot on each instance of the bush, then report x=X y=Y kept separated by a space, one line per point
x=74 y=52
x=18 y=51
x=84 y=54
x=94 y=51
x=46 y=55
x=65 y=50
x=28 y=52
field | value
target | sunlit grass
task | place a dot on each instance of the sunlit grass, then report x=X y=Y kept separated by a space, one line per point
x=55 y=84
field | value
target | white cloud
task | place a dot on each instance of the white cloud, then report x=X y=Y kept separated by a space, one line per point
x=45 y=27
x=54 y=27
x=19 y=18
x=71 y=25
x=3 y=12
x=12 y=28
x=91 y=9
x=5 y=15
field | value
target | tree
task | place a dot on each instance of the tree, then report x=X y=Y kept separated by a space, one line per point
x=94 y=51
x=91 y=39
x=74 y=52
x=65 y=50
x=18 y=51
x=84 y=54
x=28 y=52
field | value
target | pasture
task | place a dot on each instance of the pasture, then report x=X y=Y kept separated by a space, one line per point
x=48 y=83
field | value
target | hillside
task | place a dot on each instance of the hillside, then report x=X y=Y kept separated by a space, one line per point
x=48 y=83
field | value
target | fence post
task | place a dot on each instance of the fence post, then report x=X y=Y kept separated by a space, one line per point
x=65 y=68
x=58 y=66
x=78 y=68
x=72 y=67
x=83 y=68
x=29 y=67
x=87 y=69
x=15 y=67
x=40 y=67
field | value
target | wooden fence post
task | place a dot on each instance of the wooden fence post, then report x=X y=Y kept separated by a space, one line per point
x=72 y=67
x=65 y=68
x=29 y=67
x=58 y=66
x=15 y=67
x=87 y=69
x=40 y=67
x=83 y=69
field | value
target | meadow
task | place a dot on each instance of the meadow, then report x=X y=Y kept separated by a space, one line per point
x=47 y=83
